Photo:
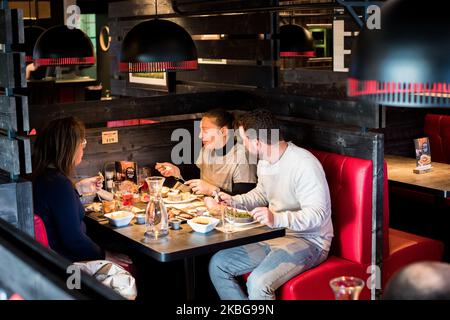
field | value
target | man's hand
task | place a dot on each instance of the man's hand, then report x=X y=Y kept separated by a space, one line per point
x=263 y=215
x=167 y=169
x=225 y=198
x=199 y=186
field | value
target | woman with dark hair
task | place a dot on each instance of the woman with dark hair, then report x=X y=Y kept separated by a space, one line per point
x=57 y=151
x=223 y=163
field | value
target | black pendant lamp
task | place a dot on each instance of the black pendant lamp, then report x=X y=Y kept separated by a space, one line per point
x=296 y=41
x=157 y=46
x=407 y=62
x=60 y=45
x=32 y=33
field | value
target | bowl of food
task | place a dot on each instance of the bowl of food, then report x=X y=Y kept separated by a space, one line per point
x=238 y=215
x=119 y=218
x=203 y=224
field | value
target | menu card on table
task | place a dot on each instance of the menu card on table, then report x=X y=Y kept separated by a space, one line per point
x=423 y=155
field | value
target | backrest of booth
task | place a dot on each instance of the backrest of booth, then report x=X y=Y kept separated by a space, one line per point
x=350 y=183
x=437 y=128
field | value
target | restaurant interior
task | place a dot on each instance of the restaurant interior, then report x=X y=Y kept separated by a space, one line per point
x=344 y=79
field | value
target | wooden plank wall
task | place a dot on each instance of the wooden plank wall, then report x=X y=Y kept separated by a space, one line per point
x=247 y=45
x=16 y=205
x=403 y=125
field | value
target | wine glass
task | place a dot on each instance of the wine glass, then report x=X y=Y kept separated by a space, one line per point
x=347 y=288
x=143 y=174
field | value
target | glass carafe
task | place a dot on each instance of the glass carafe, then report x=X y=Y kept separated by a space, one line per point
x=156 y=218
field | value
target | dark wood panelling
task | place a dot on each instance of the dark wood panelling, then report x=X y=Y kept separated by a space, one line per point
x=349 y=112
x=243 y=24
x=11 y=26
x=99 y=112
x=145 y=145
x=252 y=49
x=402 y=126
x=328 y=137
x=14 y=113
x=15 y=208
x=135 y=8
x=9 y=155
x=257 y=76
x=12 y=70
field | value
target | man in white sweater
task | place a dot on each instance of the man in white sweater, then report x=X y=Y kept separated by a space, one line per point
x=292 y=193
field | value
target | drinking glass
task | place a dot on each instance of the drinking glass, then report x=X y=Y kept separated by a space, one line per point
x=143 y=174
x=228 y=219
x=347 y=288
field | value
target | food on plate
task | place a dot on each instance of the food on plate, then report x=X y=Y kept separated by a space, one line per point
x=201 y=209
x=201 y=220
x=173 y=213
x=174 y=196
x=109 y=206
x=119 y=215
x=185 y=195
x=145 y=197
x=165 y=191
x=128 y=186
x=94 y=207
x=185 y=215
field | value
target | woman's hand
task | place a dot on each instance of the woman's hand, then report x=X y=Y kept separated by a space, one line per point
x=89 y=185
x=199 y=186
x=167 y=169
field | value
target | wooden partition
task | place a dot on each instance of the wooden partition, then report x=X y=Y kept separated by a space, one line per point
x=15 y=151
x=37 y=273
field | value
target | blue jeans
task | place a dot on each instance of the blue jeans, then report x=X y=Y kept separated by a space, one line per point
x=271 y=263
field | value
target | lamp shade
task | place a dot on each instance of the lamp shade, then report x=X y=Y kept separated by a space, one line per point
x=406 y=62
x=63 y=46
x=32 y=33
x=295 y=41
x=157 y=46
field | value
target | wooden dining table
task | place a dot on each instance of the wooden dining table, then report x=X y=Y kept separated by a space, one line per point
x=435 y=182
x=183 y=244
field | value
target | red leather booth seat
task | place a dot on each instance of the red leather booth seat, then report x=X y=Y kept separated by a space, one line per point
x=40 y=234
x=437 y=128
x=350 y=183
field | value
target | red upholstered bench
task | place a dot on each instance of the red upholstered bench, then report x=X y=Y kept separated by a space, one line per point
x=40 y=235
x=350 y=183
x=437 y=128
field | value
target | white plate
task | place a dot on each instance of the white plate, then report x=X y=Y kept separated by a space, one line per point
x=241 y=224
x=190 y=199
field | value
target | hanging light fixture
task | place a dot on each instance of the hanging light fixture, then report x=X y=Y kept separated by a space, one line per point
x=157 y=46
x=406 y=62
x=295 y=40
x=32 y=33
x=60 y=45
